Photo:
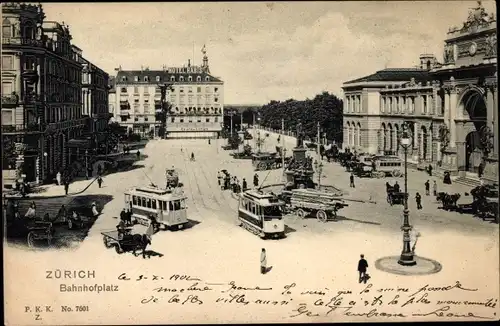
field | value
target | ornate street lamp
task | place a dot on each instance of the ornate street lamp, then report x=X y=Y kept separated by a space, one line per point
x=318 y=166
x=407 y=258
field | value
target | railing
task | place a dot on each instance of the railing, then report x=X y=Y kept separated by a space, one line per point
x=20 y=128
x=10 y=99
x=22 y=41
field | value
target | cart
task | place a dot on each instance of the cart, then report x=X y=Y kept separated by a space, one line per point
x=323 y=205
x=396 y=198
x=38 y=230
x=172 y=178
x=122 y=241
x=264 y=161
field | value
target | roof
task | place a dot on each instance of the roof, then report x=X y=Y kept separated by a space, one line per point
x=394 y=75
x=112 y=84
x=165 y=76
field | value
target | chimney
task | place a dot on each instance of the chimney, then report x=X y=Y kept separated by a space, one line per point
x=189 y=62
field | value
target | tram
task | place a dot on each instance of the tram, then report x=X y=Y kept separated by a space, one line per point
x=167 y=206
x=261 y=214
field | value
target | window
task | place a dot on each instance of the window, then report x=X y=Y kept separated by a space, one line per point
x=136 y=90
x=6 y=28
x=172 y=78
x=216 y=99
x=148 y=202
x=124 y=90
x=181 y=89
x=124 y=78
x=136 y=119
x=146 y=78
x=199 y=119
x=424 y=104
x=198 y=79
x=190 y=78
x=7 y=88
x=216 y=89
x=153 y=203
x=146 y=119
x=136 y=78
x=199 y=89
x=181 y=78
x=136 y=100
x=172 y=120
x=7 y=62
x=207 y=78
x=146 y=100
x=181 y=121
x=190 y=89
x=216 y=119
x=134 y=200
x=30 y=63
x=158 y=78
x=207 y=120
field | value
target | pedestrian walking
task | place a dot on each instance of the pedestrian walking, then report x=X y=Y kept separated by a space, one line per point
x=66 y=187
x=362 y=266
x=99 y=169
x=58 y=178
x=263 y=261
x=95 y=213
x=244 y=183
x=351 y=179
x=99 y=181
x=396 y=187
x=435 y=188
x=427 y=188
x=219 y=178
x=256 y=180
x=429 y=170
x=418 y=199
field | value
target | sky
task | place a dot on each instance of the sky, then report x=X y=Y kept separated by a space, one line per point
x=264 y=51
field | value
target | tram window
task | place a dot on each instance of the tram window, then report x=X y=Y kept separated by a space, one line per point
x=177 y=205
x=153 y=203
x=183 y=204
x=148 y=202
x=134 y=200
x=143 y=202
x=252 y=208
x=272 y=212
x=170 y=206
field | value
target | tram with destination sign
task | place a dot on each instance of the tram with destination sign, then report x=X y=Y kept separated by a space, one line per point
x=262 y=214
x=167 y=206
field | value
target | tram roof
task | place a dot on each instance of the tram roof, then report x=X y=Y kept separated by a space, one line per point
x=160 y=192
x=263 y=199
x=388 y=158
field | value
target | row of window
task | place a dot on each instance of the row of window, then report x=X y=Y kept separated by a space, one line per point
x=56 y=114
x=391 y=164
x=159 y=79
x=353 y=103
x=266 y=211
x=147 y=89
x=174 y=205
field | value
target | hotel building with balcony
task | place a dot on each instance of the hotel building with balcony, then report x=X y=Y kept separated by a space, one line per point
x=43 y=125
x=195 y=99
x=450 y=109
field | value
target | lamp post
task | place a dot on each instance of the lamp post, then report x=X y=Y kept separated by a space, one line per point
x=318 y=165
x=45 y=165
x=407 y=258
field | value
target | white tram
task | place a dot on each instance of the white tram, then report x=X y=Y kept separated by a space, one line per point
x=167 y=206
x=261 y=214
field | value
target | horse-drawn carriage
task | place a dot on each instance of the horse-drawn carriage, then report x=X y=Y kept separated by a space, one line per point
x=124 y=241
x=395 y=196
x=33 y=230
x=245 y=154
x=266 y=161
x=449 y=201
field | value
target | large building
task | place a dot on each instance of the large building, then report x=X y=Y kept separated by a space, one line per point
x=42 y=119
x=449 y=108
x=195 y=98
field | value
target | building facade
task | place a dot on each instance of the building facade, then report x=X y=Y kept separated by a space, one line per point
x=95 y=90
x=42 y=120
x=449 y=109
x=195 y=101
x=112 y=98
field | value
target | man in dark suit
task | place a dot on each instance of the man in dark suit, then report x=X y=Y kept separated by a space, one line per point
x=362 y=266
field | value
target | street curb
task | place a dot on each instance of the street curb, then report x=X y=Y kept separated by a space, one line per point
x=424 y=266
x=51 y=197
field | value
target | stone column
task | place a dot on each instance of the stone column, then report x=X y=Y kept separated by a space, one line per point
x=446 y=109
x=453 y=116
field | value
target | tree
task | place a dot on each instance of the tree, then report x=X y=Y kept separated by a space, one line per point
x=325 y=108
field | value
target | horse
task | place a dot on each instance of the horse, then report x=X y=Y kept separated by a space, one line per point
x=135 y=242
x=449 y=200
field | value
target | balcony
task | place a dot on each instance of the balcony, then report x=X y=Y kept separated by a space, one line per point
x=20 y=128
x=10 y=100
x=22 y=41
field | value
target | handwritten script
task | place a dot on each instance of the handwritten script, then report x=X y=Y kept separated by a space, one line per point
x=454 y=301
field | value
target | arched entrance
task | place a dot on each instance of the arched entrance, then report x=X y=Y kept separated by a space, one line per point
x=348 y=134
x=384 y=137
x=391 y=137
x=423 y=143
x=473 y=108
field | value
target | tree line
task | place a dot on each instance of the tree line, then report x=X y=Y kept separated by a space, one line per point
x=324 y=108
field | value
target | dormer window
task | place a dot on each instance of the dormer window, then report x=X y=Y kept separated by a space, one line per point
x=190 y=78
x=181 y=78
x=146 y=78
x=207 y=78
x=198 y=79
x=124 y=78
x=172 y=78
x=158 y=78
x=136 y=78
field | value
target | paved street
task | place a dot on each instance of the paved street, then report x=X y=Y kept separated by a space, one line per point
x=314 y=253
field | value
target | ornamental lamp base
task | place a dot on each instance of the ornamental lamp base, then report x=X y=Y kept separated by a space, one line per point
x=407 y=260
